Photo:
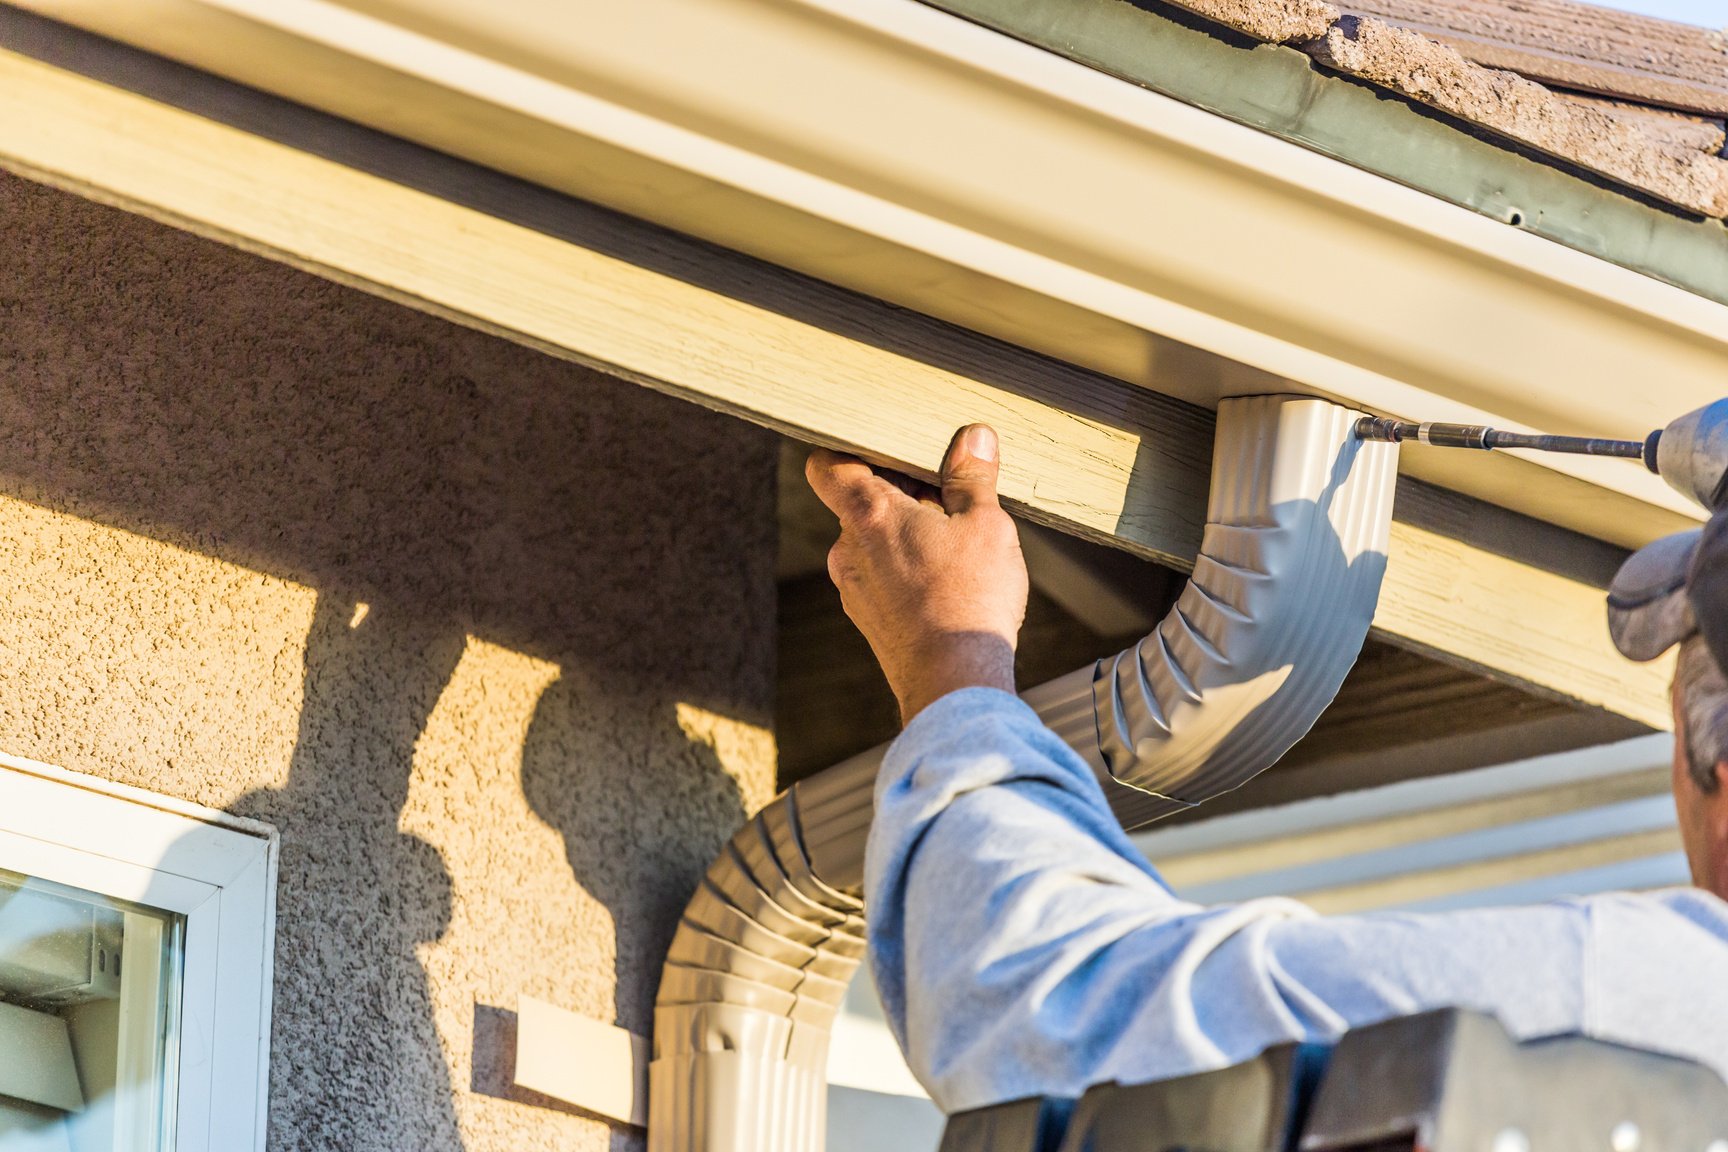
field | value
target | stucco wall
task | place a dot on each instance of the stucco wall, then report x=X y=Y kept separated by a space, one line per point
x=487 y=636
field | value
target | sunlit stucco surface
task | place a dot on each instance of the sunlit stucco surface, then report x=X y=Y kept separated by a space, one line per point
x=504 y=774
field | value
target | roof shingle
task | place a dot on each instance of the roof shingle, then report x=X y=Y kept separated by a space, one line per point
x=1577 y=46
x=1659 y=134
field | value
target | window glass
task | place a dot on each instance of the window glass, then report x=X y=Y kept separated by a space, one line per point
x=89 y=1001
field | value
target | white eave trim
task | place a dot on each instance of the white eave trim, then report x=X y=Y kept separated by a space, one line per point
x=892 y=148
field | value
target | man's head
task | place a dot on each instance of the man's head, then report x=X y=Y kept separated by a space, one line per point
x=1701 y=764
x=1670 y=593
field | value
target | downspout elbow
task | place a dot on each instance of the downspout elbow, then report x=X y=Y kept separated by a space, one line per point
x=1260 y=640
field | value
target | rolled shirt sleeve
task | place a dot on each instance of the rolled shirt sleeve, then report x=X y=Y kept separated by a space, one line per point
x=1022 y=946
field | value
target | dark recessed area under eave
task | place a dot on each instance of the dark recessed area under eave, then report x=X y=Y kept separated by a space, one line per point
x=1400 y=715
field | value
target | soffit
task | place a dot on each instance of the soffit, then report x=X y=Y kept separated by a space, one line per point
x=1399 y=714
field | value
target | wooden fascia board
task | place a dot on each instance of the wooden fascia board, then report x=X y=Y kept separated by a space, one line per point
x=1082 y=452
x=947 y=168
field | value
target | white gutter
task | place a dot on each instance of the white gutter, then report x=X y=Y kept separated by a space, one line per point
x=1240 y=669
x=895 y=149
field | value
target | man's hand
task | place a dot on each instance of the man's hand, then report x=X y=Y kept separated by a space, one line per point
x=934 y=579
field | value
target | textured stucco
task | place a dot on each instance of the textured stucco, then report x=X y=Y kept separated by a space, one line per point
x=487 y=636
x=1275 y=21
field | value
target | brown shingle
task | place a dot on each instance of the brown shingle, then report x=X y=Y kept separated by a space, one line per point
x=1578 y=46
x=1591 y=137
x=1275 y=21
x=1661 y=134
x=1704 y=134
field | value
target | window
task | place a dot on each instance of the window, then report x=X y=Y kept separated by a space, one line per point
x=88 y=996
x=134 y=969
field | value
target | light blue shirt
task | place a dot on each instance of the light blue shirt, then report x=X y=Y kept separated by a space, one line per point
x=1023 y=947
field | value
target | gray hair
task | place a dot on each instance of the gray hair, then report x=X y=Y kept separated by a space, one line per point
x=1703 y=694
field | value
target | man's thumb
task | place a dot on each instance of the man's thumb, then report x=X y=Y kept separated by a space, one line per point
x=969 y=470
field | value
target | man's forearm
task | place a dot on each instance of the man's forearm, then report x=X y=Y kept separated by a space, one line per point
x=1022 y=946
x=983 y=817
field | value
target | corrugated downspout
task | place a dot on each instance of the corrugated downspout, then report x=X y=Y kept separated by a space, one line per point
x=756 y=973
x=1255 y=648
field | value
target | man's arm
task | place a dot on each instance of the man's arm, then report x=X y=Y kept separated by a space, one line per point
x=1023 y=947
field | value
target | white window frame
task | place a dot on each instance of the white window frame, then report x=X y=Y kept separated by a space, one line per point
x=216 y=870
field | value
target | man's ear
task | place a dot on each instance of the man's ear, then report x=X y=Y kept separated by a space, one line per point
x=1721 y=778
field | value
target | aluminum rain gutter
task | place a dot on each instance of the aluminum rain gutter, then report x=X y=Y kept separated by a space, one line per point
x=1255 y=648
x=894 y=149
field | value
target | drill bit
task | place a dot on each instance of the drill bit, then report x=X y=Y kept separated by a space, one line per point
x=1482 y=437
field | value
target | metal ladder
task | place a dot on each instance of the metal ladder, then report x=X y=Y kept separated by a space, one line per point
x=1447 y=1081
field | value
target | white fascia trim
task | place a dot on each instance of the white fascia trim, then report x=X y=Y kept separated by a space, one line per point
x=1577 y=344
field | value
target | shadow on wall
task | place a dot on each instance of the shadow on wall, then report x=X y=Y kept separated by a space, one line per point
x=356 y=896
x=460 y=486
x=625 y=815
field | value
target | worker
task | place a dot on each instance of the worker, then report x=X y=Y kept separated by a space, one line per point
x=1023 y=947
